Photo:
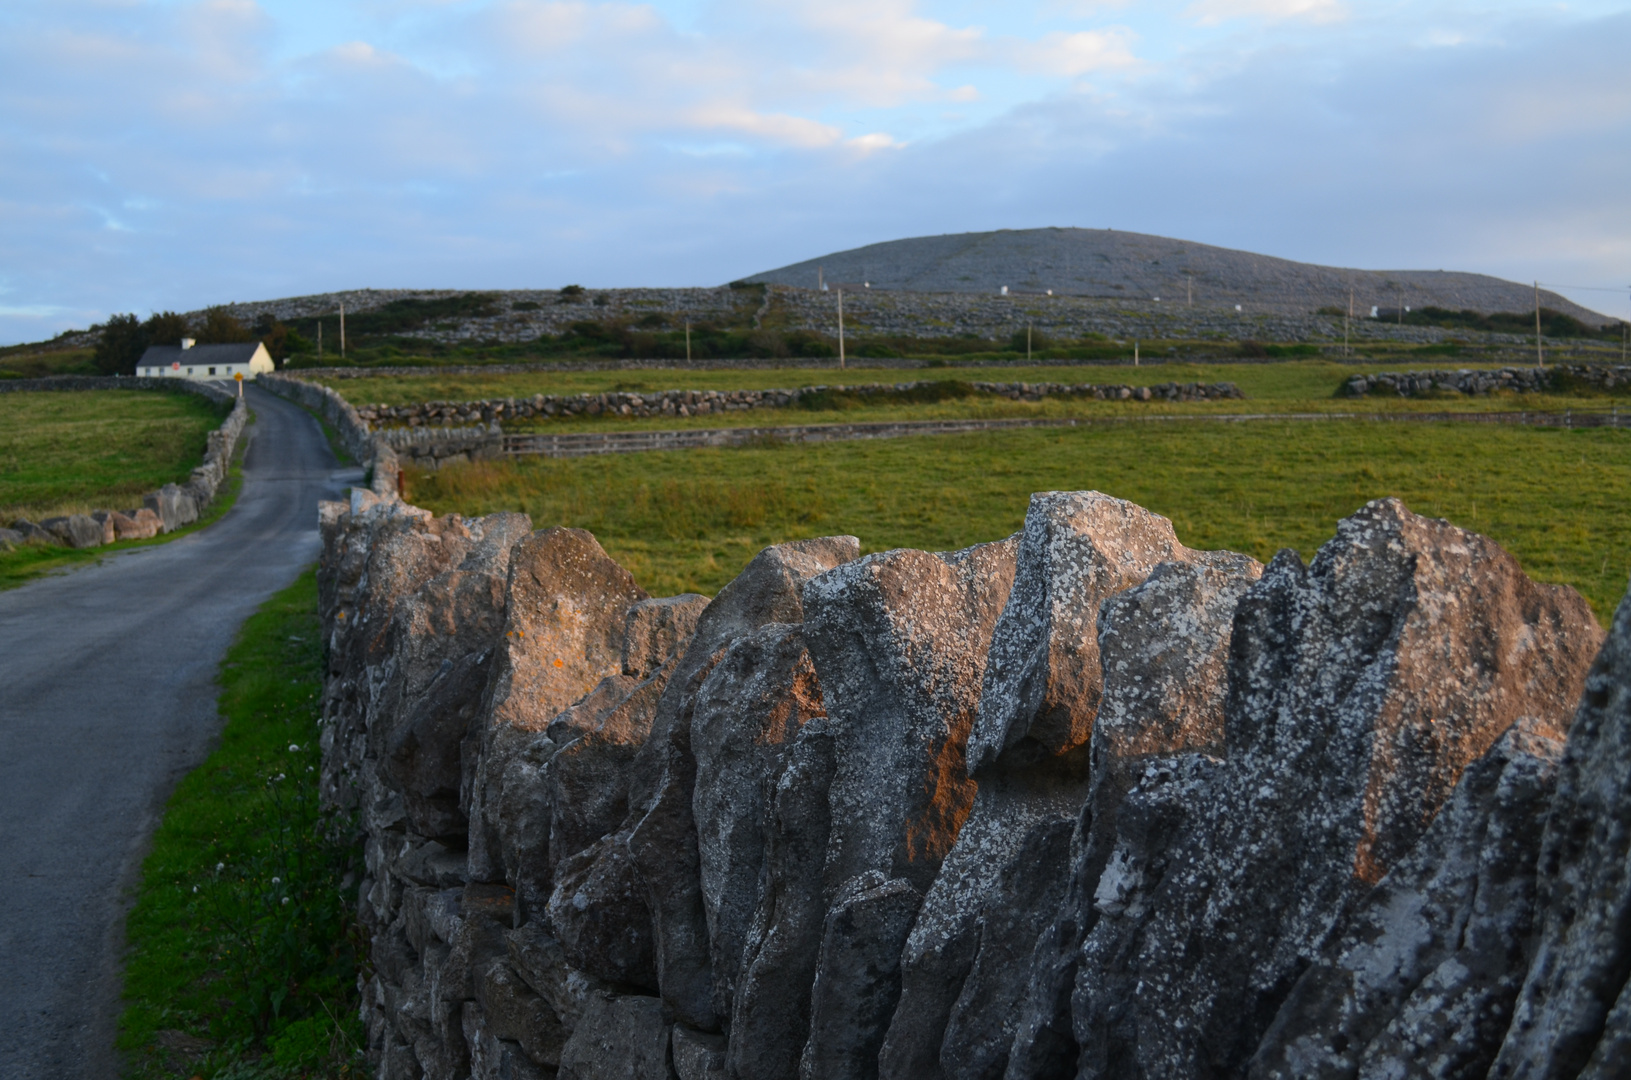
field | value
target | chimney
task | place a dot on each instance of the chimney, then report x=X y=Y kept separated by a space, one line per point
x=187 y=342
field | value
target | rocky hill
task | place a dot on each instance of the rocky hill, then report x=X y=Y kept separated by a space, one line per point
x=1080 y=802
x=1109 y=264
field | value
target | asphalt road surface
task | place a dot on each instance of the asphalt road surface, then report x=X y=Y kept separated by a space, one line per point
x=107 y=698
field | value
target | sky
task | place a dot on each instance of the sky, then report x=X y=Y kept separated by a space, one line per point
x=161 y=155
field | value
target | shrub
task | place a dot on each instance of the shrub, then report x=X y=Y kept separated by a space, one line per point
x=221 y=327
x=120 y=346
x=165 y=328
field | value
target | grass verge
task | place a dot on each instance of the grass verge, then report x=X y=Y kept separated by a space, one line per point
x=243 y=953
x=689 y=520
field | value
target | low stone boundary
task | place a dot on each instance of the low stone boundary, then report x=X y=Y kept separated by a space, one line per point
x=586 y=444
x=686 y=403
x=217 y=393
x=1528 y=380
x=171 y=507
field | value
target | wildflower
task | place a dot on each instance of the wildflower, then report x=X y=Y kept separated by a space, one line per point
x=220 y=866
x=277 y=881
x=285 y=899
x=294 y=747
x=195 y=888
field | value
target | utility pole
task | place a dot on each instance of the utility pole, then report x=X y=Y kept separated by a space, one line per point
x=687 y=341
x=840 y=328
x=1540 y=353
x=1347 y=322
x=1135 y=354
x=1189 y=286
x=319 y=339
x=821 y=285
x=1400 y=288
x=342 y=331
x=1027 y=343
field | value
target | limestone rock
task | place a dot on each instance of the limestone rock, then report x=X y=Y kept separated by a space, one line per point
x=1043 y=681
x=697 y=1054
x=140 y=524
x=174 y=507
x=511 y=1010
x=1078 y=549
x=10 y=538
x=857 y=980
x=899 y=643
x=75 y=530
x=541 y=962
x=1360 y=688
x=31 y=533
x=104 y=518
x=493 y=1057
x=1025 y=898
x=1163 y=649
x=598 y=912
x=587 y=779
x=662 y=838
x=770 y=1014
x=747 y=715
x=565 y=611
x=658 y=630
x=443 y=636
x=619 y=1037
x=147 y=522
x=1422 y=980
x=1571 y=1016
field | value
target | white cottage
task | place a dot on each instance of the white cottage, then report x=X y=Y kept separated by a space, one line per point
x=193 y=361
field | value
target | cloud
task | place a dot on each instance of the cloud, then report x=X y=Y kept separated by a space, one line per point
x=1074 y=54
x=1209 y=12
x=792 y=130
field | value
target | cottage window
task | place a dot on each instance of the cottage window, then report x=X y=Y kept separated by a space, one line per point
x=212 y=371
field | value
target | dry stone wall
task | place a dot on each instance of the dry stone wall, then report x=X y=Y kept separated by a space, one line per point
x=684 y=403
x=1470 y=381
x=1081 y=802
x=172 y=507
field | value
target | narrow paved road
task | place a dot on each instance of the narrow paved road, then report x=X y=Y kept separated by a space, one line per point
x=107 y=699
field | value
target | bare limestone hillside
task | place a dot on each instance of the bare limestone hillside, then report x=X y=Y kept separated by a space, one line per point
x=1134 y=266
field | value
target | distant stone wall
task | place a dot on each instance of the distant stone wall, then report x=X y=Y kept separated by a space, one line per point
x=1525 y=380
x=119 y=382
x=687 y=403
x=1082 y=801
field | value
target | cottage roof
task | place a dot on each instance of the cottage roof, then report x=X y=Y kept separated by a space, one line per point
x=165 y=355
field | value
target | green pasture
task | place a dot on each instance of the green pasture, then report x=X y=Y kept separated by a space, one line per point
x=69 y=452
x=689 y=520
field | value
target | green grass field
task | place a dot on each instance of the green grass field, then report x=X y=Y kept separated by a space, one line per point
x=69 y=452
x=241 y=960
x=689 y=520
